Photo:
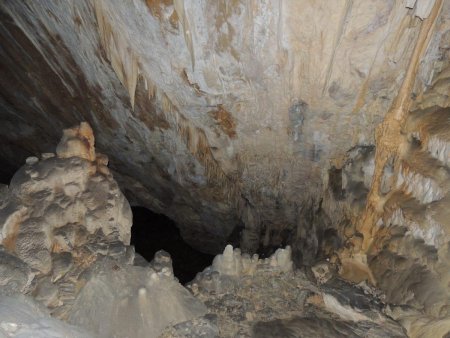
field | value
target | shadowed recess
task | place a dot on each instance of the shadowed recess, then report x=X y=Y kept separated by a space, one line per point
x=153 y=232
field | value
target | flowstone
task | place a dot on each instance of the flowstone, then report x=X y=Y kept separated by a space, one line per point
x=21 y=317
x=121 y=300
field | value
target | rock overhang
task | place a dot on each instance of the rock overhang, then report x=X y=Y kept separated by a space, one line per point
x=210 y=123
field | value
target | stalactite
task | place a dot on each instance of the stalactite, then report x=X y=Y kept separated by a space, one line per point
x=179 y=7
x=125 y=64
x=123 y=60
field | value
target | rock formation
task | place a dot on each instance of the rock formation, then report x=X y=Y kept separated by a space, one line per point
x=21 y=317
x=315 y=126
x=55 y=203
x=65 y=233
x=221 y=115
x=267 y=298
x=232 y=263
x=81 y=268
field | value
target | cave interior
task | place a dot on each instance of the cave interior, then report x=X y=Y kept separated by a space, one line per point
x=199 y=168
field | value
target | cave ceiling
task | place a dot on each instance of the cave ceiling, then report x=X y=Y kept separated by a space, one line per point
x=218 y=114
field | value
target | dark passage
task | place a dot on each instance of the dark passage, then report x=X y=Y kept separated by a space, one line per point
x=152 y=232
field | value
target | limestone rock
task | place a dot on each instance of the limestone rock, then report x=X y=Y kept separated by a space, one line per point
x=205 y=327
x=33 y=246
x=62 y=263
x=232 y=263
x=15 y=275
x=274 y=303
x=125 y=300
x=77 y=142
x=52 y=204
x=162 y=263
x=256 y=101
x=258 y=120
x=22 y=317
x=47 y=293
x=322 y=272
x=310 y=327
x=229 y=263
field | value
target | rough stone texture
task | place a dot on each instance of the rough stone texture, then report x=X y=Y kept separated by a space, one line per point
x=202 y=327
x=15 y=275
x=272 y=301
x=232 y=263
x=65 y=229
x=220 y=114
x=396 y=197
x=410 y=256
x=404 y=249
x=52 y=204
x=95 y=281
x=52 y=210
x=79 y=142
x=319 y=124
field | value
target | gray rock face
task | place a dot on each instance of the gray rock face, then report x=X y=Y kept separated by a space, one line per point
x=310 y=327
x=62 y=264
x=162 y=263
x=15 y=275
x=205 y=327
x=397 y=198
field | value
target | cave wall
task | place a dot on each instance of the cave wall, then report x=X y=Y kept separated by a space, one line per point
x=219 y=114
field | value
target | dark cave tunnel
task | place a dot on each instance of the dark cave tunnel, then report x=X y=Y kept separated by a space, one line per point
x=152 y=232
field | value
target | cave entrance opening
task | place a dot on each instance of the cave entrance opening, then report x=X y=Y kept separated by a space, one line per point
x=152 y=232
